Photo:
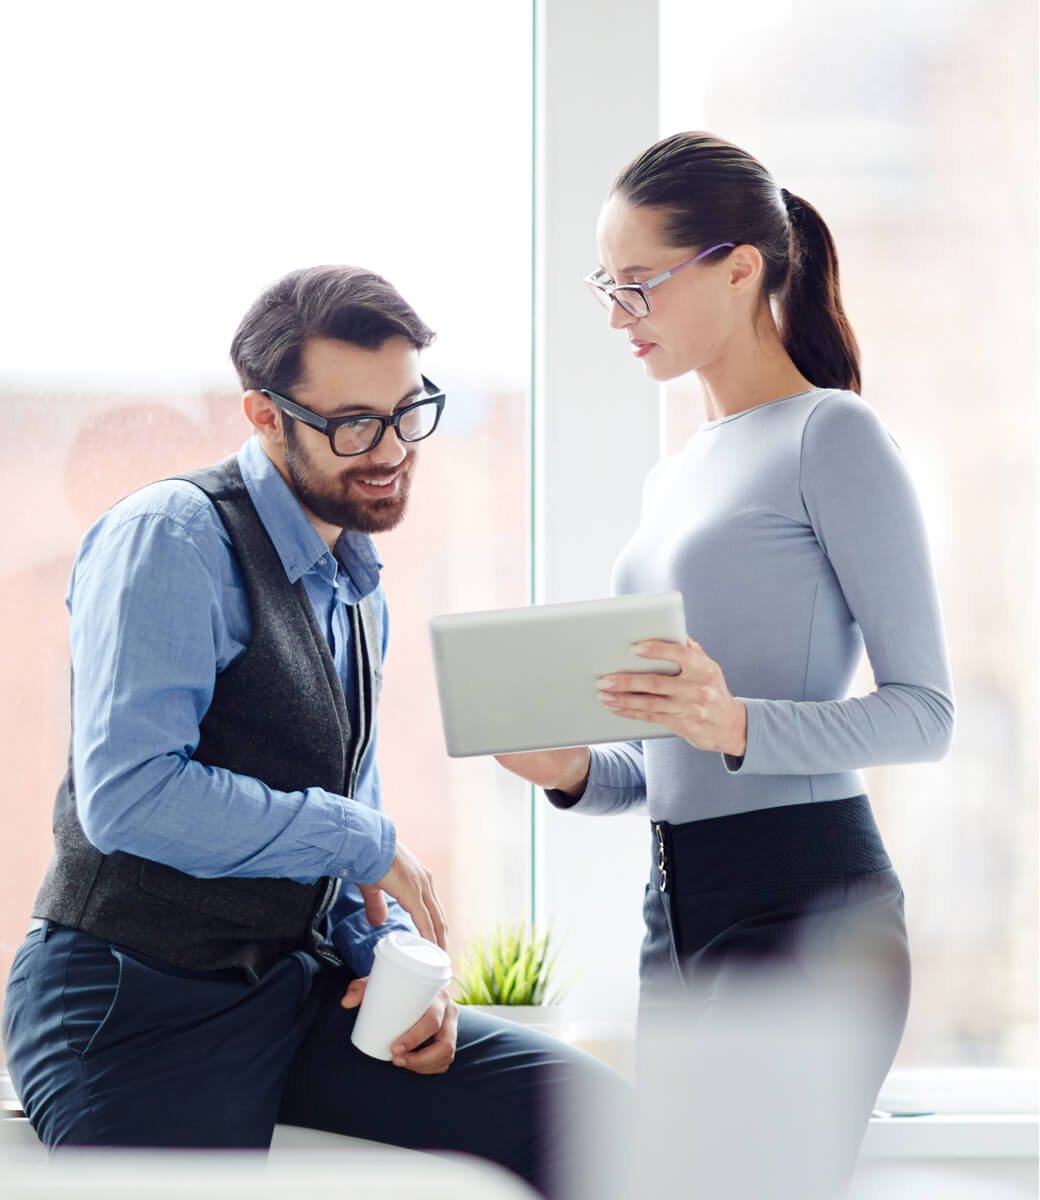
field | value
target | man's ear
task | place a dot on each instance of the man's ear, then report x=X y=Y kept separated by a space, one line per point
x=745 y=267
x=265 y=416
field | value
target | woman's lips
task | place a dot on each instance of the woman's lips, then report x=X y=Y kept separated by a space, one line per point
x=639 y=349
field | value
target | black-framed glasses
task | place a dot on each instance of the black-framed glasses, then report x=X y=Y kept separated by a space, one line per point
x=361 y=432
x=633 y=297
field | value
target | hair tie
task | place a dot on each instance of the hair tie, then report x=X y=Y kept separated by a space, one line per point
x=788 y=199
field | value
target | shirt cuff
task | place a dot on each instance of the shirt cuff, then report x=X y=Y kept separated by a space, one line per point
x=560 y=799
x=369 y=844
x=609 y=788
x=739 y=765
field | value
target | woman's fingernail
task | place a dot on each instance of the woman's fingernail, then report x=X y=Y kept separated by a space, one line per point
x=605 y=683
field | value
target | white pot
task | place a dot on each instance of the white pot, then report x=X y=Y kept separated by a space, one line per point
x=548 y=1018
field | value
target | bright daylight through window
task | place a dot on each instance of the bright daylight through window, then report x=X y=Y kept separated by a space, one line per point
x=929 y=195
x=157 y=213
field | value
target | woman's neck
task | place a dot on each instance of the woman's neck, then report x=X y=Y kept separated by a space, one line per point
x=753 y=370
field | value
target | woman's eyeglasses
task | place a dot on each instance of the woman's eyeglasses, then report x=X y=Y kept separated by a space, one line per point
x=633 y=297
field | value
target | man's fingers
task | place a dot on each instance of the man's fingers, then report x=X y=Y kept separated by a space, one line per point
x=423 y=1029
x=440 y=922
x=355 y=992
x=420 y=914
x=433 y=926
x=437 y=1057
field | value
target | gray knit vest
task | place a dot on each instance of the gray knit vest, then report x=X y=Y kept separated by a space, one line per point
x=278 y=714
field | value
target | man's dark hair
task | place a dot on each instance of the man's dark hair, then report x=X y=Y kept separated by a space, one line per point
x=347 y=303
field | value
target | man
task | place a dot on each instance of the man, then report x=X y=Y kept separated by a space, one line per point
x=222 y=866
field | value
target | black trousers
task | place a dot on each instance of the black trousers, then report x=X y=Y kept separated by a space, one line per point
x=775 y=983
x=106 y=1048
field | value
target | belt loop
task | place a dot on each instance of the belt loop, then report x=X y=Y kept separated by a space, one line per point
x=662 y=858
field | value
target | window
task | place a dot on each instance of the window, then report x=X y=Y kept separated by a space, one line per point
x=167 y=168
x=875 y=118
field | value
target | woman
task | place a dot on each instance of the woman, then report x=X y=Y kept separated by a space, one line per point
x=790 y=525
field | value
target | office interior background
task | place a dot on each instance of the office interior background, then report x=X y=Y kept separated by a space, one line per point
x=164 y=164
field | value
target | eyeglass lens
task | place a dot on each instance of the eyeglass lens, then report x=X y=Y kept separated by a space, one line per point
x=631 y=300
x=414 y=424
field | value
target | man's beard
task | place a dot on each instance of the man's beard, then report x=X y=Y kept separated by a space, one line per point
x=330 y=500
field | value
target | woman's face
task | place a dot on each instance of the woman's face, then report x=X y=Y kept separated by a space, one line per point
x=691 y=315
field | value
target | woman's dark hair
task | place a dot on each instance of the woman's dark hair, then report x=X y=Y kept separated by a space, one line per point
x=348 y=303
x=712 y=191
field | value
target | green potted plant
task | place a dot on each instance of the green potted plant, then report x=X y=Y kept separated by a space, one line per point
x=511 y=972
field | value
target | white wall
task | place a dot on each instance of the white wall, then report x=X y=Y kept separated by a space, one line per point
x=596 y=435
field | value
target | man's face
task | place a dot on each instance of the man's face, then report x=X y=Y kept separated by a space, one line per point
x=367 y=492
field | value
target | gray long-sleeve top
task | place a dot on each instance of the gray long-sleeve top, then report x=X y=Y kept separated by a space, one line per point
x=794 y=534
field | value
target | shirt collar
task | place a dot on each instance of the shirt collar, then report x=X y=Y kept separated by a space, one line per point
x=297 y=542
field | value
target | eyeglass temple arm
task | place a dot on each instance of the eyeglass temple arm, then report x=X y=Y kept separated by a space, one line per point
x=689 y=263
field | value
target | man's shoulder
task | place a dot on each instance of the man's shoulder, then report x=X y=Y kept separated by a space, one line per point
x=171 y=506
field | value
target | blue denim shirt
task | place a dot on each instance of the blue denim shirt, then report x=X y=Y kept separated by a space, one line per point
x=158 y=608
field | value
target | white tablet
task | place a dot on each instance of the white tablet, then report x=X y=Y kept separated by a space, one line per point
x=525 y=678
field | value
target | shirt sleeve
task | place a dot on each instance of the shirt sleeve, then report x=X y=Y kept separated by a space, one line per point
x=354 y=937
x=148 y=604
x=616 y=783
x=862 y=506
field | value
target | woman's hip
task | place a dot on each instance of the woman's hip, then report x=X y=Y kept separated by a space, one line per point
x=808 y=886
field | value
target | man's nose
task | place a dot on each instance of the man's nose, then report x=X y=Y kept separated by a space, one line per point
x=390 y=452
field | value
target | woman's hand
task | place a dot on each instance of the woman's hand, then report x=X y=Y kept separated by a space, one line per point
x=696 y=704
x=557 y=770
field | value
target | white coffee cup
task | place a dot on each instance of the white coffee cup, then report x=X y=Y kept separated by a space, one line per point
x=407 y=972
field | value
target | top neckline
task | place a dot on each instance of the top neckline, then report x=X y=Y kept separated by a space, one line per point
x=755 y=408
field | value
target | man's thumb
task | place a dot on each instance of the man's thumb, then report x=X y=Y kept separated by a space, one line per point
x=376 y=911
x=355 y=993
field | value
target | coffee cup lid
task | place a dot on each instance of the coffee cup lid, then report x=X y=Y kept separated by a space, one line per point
x=415 y=954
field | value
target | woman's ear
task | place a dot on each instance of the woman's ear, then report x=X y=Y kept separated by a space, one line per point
x=745 y=267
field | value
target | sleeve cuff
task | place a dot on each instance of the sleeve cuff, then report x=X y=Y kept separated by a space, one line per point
x=560 y=799
x=369 y=844
x=740 y=765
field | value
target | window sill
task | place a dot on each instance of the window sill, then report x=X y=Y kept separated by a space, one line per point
x=985 y=1134
x=965 y=1113
x=952 y=1136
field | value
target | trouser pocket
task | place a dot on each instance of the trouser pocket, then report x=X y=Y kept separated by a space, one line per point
x=92 y=986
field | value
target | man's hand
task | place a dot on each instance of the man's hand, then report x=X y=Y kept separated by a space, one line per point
x=428 y=1048
x=411 y=885
x=560 y=770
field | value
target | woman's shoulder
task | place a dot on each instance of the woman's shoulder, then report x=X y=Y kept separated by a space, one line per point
x=834 y=415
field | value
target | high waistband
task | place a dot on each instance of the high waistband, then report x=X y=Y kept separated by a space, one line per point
x=831 y=839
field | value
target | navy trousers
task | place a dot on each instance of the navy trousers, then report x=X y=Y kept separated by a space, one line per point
x=775 y=983
x=106 y=1047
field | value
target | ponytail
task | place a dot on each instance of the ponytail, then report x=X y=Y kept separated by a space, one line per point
x=814 y=328
x=712 y=191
